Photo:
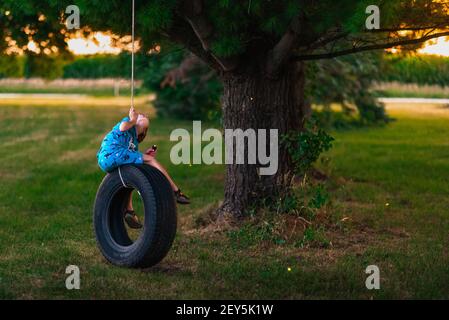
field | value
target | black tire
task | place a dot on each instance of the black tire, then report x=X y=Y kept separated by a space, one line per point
x=160 y=221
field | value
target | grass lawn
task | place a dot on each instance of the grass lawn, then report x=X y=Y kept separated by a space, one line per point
x=389 y=205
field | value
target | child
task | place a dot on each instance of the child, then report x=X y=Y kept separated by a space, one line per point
x=120 y=146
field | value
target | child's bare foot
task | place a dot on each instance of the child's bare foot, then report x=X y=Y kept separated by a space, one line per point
x=132 y=220
x=181 y=198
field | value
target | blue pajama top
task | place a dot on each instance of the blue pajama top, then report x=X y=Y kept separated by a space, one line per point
x=119 y=148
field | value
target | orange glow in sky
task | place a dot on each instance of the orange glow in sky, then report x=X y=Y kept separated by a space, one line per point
x=439 y=46
x=102 y=43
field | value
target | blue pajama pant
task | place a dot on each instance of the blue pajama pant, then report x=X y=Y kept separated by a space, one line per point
x=108 y=160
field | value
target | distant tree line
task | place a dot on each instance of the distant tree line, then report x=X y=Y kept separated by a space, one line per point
x=68 y=66
x=424 y=69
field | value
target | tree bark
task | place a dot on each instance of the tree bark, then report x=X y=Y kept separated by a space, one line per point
x=256 y=101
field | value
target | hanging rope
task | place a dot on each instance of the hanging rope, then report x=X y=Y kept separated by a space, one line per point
x=132 y=78
x=132 y=56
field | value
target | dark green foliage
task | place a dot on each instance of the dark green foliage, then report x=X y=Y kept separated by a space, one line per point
x=370 y=110
x=287 y=204
x=346 y=81
x=44 y=66
x=237 y=24
x=196 y=98
x=31 y=66
x=306 y=146
x=44 y=32
x=94 y=67
x=106 y=66
x=11 y=66
x=319 y=198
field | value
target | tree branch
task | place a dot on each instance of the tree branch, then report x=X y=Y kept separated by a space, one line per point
x=368 y=48
x=182 y=33
x=194 y=15
x=180 y=73
x=282 y=51
x=327 y=39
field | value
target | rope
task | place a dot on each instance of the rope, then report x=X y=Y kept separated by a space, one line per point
x=121 y=178
x=132 y=77
x=132 y=56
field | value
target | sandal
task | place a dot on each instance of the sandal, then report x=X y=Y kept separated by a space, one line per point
x=132 y=220
x=181 y=198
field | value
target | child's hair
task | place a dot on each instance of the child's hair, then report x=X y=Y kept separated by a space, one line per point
x=144 y=134
x=144 y=115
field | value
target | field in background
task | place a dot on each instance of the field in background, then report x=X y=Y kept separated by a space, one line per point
x=388 y=189
x=93 y=87
x=410 y=90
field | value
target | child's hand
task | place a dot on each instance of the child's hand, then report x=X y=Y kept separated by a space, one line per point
x=151 y=152
x=133 y=115
x=126 y=125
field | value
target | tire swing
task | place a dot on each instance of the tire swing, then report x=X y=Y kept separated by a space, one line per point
x=159 y=227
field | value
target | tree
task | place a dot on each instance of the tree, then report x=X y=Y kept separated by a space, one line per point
x=258 y=48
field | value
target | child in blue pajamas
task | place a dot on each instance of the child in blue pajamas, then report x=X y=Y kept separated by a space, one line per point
x=120 y=147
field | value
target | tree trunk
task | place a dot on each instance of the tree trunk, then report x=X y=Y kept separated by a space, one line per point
x=254 y=101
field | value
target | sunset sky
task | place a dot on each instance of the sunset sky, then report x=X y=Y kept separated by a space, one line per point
x=438 y=46
x=103 y=44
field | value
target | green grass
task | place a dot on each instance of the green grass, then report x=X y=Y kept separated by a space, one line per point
x=49 y=176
